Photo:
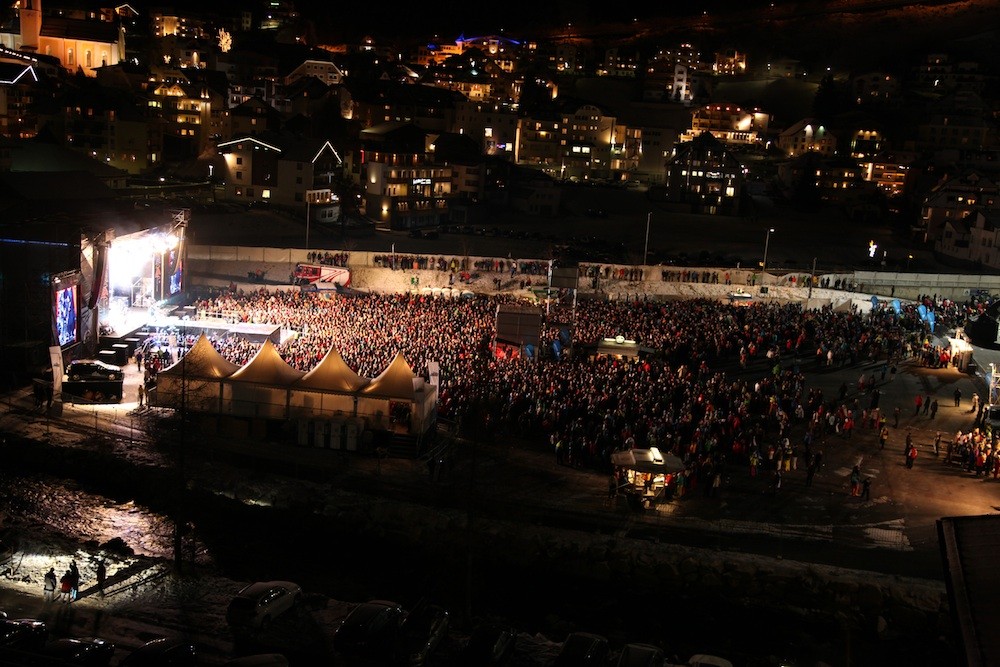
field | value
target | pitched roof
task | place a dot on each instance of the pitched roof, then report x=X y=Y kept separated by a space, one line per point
x=202 y=361
x=395 y=382
x=332 y=374
x=267 y=367
x=92 y=31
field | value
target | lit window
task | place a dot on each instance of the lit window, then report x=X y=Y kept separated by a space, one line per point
x=265 y=194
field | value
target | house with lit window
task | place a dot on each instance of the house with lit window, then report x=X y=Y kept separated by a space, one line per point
x=285 y=171
x=704 y=176
x=20 y=88
x=255 y=116
x=729 y=123
x=973 y=240
x=186 y=108
x=538 y=142
x=325 y=70
x=814 y=177
x=807 y=136
x=403 y=185
x=82 y=40
x=588 y=134
x=875 y=88
x=115 y=126
x=890 y=171
x=955 y=198
x=373 y=103
x=493 y=126
x=730 y=62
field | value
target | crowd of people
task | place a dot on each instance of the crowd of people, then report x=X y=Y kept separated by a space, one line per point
x=718 y=384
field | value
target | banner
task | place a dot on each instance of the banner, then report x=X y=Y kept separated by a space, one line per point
x=56 y=359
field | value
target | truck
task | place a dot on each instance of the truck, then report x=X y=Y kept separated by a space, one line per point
x=321 y=276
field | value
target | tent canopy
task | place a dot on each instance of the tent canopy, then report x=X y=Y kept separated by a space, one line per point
x=647 y=460
x=267 y=367
x=397 y=382
x=332 y=374
x=202 y=361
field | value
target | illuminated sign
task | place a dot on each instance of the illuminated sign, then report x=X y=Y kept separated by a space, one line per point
x=421 y=181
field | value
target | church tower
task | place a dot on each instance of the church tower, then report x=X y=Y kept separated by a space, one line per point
x=31 y=24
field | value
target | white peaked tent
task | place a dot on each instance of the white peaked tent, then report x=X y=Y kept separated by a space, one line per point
x=398 y=384
x=327 y=389
x=195 y=380
x=268 y=387
x=260 y=389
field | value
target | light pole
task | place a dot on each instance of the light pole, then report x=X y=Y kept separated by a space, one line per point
x=763 y=264
x=645 y=250
x=908 y=258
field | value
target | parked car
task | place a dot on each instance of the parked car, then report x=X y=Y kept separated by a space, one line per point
x=582 y=649
x=256 y=605
x=641 y=655
x=491 y=644
x=162 y=652
x=260 y=660
x=27 y=634
x=421 y=633
x=705 y=660
x=87 y=651
x=93 y=369
x=370 y=630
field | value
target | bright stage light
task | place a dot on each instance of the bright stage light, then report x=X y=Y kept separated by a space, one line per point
x=130 y=258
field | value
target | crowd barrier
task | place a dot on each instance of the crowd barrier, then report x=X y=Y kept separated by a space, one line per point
x=906 y=285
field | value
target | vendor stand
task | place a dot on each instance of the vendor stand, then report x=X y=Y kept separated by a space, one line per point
x=646 y=475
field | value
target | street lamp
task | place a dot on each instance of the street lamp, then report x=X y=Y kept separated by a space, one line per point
x=645 y=251
x=908 y=258
x=763 y=264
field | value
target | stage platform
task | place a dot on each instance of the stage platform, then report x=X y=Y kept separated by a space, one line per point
x=139 y=323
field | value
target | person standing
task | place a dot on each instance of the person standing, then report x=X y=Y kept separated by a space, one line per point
x=975 y=402
x=883 y=437
x=958 y=397
x=911 y=454
x=102 y=575
x=74 y=581
x=918 y=403
x=927 y=403
x=937 y=444
x=141 y=393
x=65 y=586
x=934 y=408
x=855 y=482
x=895 y=416
x=866 y=489
x=50 y=585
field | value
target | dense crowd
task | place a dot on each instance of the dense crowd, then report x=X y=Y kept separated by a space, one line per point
x=676 y=397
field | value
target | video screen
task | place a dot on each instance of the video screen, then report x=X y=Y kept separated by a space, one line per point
x=66 y=315
x=175 y=270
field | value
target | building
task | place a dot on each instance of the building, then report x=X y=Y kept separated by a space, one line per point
x=493 y=126
x=284 y=171
x=729 y=123
x=403 y=186
x=81 y=41
x=807 y=135
x=954 y=198
x=705 y=177
x=730 y=63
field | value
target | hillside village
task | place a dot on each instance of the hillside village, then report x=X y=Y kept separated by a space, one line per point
x=250 y=107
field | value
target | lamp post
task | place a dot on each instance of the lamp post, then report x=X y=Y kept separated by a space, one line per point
x=763 y=264
x=645 y=250
x=908 y=258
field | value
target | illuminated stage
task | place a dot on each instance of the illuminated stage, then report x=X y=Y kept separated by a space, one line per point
x=138 y=322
